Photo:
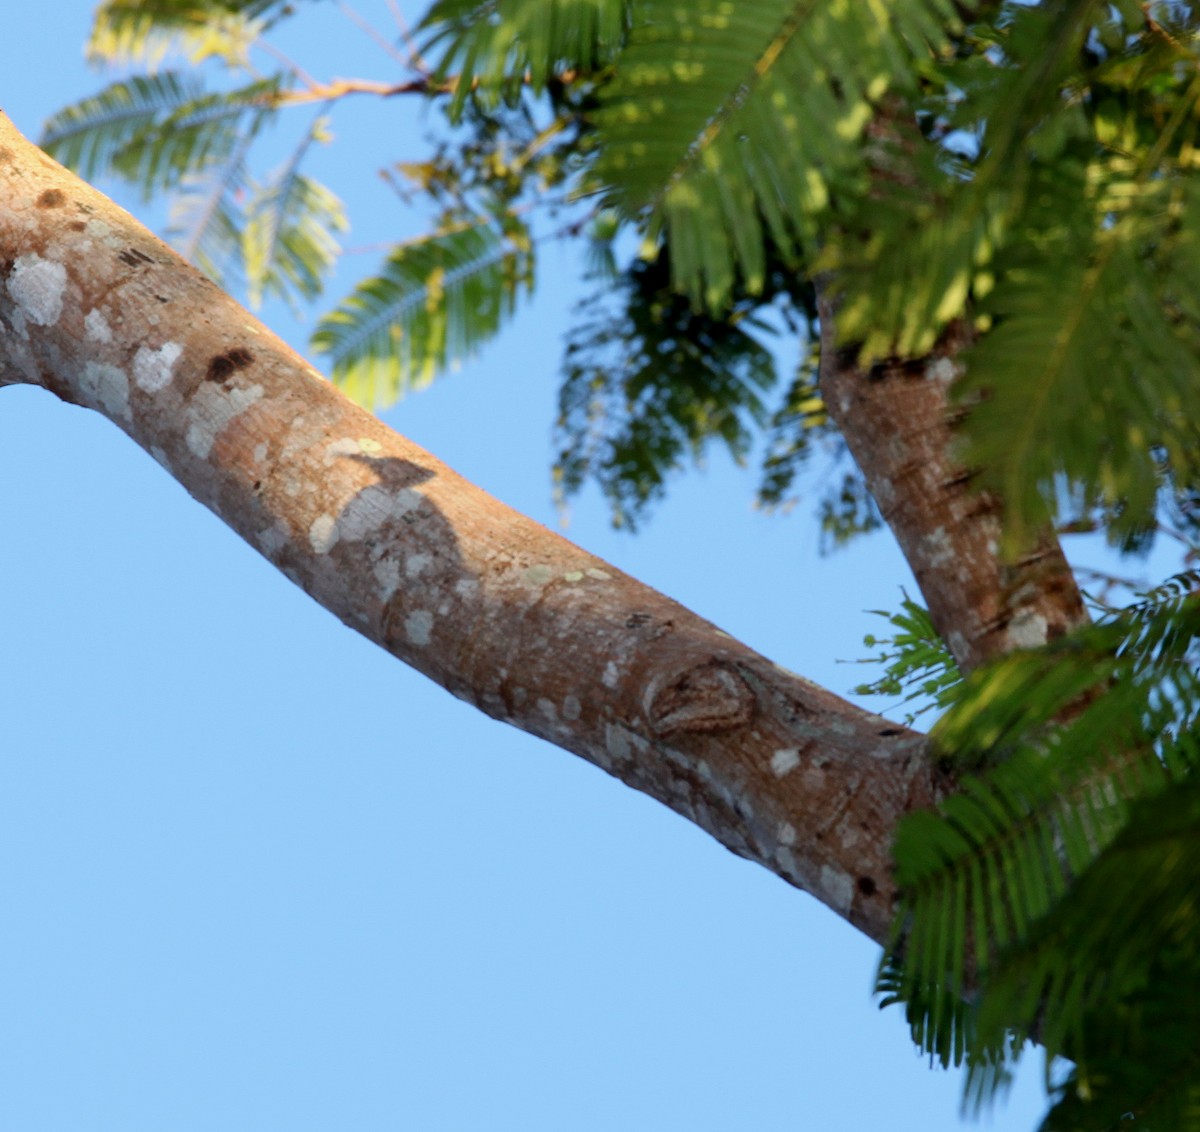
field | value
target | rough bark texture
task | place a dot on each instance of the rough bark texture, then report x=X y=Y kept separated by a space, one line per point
x=897 y=419
x=498 y=610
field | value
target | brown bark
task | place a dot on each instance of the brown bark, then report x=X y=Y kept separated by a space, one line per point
x=498 y=610
x=897 y=420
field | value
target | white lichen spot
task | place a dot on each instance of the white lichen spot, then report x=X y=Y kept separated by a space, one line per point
x=415 y=565
x=1027 y=630
x=943 y=370
x=938 y=548
x=106 y=386
x=341 y=447
x=98 y=229
x=571 y=708
x=616 y=742
x=466 y=588
x=786 y=860
x=260 y=452
x=323 y=534
x=37 y=286
x=837 y=889
x=418 y=626
x=211 y=409
x=786 y=833
x=704 y=771
x=96 y=327
x=387 y=574
x=599 y=575
x=573 y=576
x=374 y=506
x=547 y=708
x=159 y=456
x=610 y=675
x=538 y=575
x=369 y=446
x=21 y=325
x=957 y=643
x=152 y=368
x=272 y=539
x=784 y=760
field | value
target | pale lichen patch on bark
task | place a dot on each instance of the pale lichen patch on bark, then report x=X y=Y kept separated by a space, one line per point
x=784 y=760
x=211 y=410
x=941 y=369
x=837 y=889
x=418 y=626
x=1027 y=630
x=96 y=326
x=619 y=742
x=152 y=369
x=343 y=446
x=272 y=539
x=387 y=574
x=416 y=564
x=323 y=534
x=939 y=547
x=374 y=506
x=106 y=387
x=37 y=286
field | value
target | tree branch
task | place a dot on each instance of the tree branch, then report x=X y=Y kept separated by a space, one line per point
x=897 y=420
x=495 y=608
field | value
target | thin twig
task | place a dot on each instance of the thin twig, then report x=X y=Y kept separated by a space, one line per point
x=371 y=32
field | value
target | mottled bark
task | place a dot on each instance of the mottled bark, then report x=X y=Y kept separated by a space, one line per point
x=896 y=418
x=498 y=610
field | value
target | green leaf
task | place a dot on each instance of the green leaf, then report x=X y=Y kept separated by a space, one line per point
x=1090 y=376
x=290 y=240
x=1075 y=851
x=1110 y=977
x=728 y=123
x=496 y=48
x=145 y=31
x=918 y=666
x=914 y=249
x=154 y=130
x=205 y=222
x=435 y=302
x=89 y=135
x=648 y=384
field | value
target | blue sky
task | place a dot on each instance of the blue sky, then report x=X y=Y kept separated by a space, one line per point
x=257 y=875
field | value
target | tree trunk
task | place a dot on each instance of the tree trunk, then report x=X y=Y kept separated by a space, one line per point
x=495 y=608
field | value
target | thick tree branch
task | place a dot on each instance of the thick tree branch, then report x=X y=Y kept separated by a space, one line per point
x=498 y=610
x=896 y=418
